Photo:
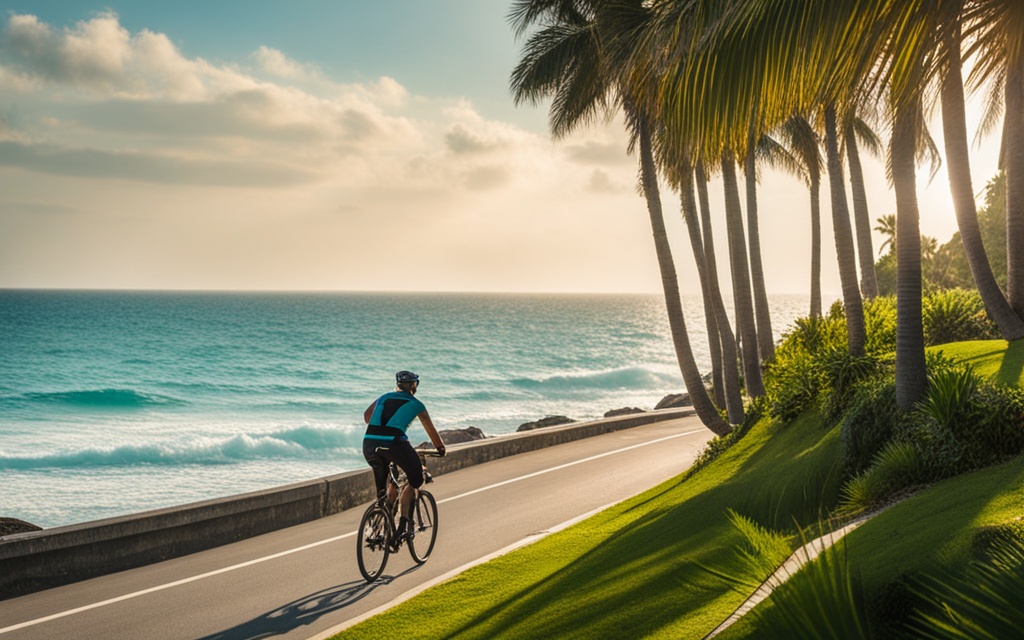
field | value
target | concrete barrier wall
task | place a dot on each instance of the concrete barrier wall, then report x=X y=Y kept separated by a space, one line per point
x=44 y=559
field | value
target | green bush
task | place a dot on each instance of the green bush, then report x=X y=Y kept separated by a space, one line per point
x=880 y=325
x=873 y=418
x=954 y=315
x=842 y=373
x=896 y=468
x=948 y=397
x=994 y=427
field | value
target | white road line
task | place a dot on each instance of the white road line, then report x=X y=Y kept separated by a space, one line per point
x=249 y=563
x=564 y=466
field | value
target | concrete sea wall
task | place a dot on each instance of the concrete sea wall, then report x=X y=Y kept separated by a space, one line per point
x=44 y=559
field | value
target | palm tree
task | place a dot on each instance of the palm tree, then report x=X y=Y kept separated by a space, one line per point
x=856 y=334
x=769 y=59
x=742 y=297
x=725 y=374
x=762 y=314
x=887 y=227
x=857 y=129
x=576 y=57
x=805 y=144
x=954 y=128
x=730 y=356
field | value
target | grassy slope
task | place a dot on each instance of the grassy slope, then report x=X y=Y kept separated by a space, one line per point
x=643 y=568
x=664 y=564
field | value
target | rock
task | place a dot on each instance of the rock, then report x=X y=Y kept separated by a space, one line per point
x=9 y=526
x=674 y=400
x=624 y=411
x=455 y=436
x=549 y=421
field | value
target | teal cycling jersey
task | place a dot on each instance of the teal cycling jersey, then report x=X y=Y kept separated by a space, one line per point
x=392 y=415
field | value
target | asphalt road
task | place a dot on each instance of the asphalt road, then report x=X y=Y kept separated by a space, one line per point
x=303 y=581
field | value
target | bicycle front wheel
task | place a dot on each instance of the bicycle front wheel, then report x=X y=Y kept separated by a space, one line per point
x=424 y=517
x=372 y=542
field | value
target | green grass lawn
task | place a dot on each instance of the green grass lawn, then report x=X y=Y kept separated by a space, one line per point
x=667 y=563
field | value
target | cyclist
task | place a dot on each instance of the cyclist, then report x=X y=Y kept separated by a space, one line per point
x=387 y=420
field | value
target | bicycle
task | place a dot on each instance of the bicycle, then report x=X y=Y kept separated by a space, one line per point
x=378 y=534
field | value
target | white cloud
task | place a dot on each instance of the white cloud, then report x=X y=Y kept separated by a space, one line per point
x=281 y=172
x=276 y=63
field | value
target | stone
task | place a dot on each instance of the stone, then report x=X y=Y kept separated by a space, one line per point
x=624 y=411
x=455 y=436
x=674 y=401
x=10 y=526
x=549 y=421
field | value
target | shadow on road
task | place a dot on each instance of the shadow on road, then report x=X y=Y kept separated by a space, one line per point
x=303 y=611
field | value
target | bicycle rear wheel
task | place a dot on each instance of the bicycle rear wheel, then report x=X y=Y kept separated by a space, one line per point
x=372 y=542
x=424 y=518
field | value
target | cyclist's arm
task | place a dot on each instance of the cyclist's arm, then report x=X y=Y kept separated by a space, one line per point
x=369 y=412
x=428 y=426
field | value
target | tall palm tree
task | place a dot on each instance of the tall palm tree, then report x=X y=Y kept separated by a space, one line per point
x=741 y=291
x=681 y=173
x=769 y=59
x=730 y=355
x=856 y=333
x=804 y=144
x=575 y=57
x=857 y=129
x=954 y=129
x=762 y=314
x=995 y=29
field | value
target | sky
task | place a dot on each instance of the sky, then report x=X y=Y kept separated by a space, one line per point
x=326 y=145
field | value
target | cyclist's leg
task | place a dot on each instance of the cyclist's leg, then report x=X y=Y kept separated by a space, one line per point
x=378 y=463
x=404 y=455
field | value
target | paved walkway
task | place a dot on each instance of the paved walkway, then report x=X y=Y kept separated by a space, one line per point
x=800 y=557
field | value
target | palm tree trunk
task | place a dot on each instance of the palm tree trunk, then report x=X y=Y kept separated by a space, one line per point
x=852 y=304
x=730 y=359
x=815 y=248
x=702 y=403
x=688 y=205
x=765 y=340
x=954 y=130
x=741 y=279
x=861 y=218
x=1014 y=150
x=911 y=371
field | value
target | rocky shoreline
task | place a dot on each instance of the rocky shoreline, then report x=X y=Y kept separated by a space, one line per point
x=469 y=434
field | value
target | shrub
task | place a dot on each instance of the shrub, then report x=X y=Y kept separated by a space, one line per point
x=948 y=396
x=793 y=384
x=994 y=425
x=954 y=315
x=880 y=324
x=896 y=468
x=870 y=422
x=842 y=373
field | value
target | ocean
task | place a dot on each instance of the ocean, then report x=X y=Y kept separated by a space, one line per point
x=118 y=402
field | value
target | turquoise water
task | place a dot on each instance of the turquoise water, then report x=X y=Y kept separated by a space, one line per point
x=117 y=402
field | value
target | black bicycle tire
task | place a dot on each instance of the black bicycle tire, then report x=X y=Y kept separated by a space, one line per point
x=422 y=544
x=381 y=519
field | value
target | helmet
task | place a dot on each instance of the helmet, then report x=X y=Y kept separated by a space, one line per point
x=406 y=376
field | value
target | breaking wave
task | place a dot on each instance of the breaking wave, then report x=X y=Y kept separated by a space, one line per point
x=301 y=442
x=109 y=398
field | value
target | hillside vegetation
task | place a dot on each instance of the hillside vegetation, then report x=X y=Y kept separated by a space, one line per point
x=677 y=560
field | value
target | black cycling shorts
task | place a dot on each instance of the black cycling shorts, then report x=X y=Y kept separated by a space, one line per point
x=401 y=453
